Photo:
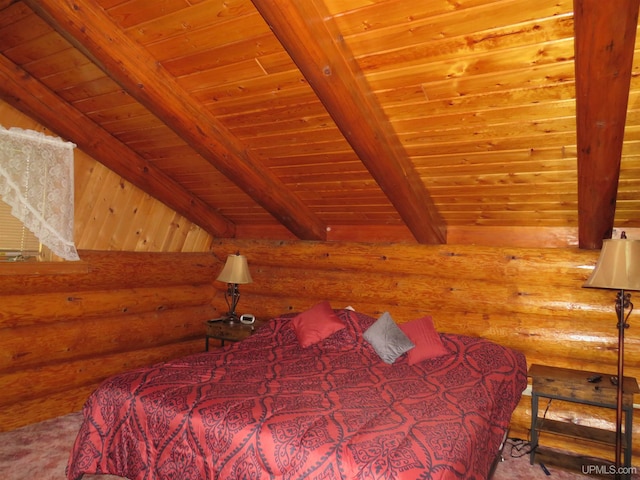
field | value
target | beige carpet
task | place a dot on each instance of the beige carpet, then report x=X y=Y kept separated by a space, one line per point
x=40 y=452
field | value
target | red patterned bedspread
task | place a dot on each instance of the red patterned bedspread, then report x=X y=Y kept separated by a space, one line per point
x=267 y=408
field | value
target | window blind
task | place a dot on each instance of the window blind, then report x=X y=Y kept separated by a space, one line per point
x=15 y=239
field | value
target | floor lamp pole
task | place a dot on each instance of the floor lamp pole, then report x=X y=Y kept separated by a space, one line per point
x=618 y=268
x=623 y=301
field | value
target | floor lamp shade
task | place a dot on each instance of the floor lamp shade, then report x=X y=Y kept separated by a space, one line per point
x=618 y=266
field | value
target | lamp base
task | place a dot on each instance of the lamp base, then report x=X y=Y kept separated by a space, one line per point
x=232 y=297
x=231 y=318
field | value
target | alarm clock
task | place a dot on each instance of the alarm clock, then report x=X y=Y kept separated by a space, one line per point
x=247 y=318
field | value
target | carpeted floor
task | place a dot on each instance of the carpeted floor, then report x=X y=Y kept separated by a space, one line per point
x=40 y=452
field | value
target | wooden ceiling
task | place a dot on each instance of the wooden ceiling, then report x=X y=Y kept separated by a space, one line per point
x=308 y=115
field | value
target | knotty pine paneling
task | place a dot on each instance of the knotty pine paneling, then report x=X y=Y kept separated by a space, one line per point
x=113 y=214
x=530 y=299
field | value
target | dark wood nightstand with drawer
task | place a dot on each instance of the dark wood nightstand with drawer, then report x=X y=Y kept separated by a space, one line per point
x=574 y=386
x=223 y=330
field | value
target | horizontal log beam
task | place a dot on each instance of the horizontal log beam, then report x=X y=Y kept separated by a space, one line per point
x=571 y=265
x=52 y=397
x=48 y=308
x=118 y=270
x=30 y=346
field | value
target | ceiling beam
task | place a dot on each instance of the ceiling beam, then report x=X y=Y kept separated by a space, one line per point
x=31 y=97
x=86 y=26
x=313 y=41
x=604 y=42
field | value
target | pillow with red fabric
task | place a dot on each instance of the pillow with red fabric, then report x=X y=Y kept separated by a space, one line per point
x=426 y=339
x=316 y=324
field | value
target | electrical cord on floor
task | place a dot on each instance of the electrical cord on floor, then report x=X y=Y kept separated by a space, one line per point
x=519 y=447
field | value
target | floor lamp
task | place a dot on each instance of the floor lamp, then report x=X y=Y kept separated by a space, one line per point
x=234 y=273
x=618 y=268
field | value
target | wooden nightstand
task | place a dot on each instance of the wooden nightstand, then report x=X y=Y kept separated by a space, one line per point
x=573 y=386
x=221 y=329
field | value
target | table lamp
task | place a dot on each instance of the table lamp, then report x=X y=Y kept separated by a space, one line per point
x=234 y=273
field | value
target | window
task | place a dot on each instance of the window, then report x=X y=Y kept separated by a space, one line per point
x=17 y=242
x=36 y=180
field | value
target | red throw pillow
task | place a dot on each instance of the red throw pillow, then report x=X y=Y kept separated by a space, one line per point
x=316 y=324
x=426 y=339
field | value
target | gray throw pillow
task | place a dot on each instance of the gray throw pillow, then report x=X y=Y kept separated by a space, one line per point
x=387 y=339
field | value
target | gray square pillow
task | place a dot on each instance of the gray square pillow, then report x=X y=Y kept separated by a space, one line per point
x=387 y=339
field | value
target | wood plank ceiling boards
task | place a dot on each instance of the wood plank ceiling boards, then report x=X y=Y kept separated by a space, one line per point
x=430 y=122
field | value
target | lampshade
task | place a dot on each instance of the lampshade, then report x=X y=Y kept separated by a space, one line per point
x=618 y=266
x=235 y=270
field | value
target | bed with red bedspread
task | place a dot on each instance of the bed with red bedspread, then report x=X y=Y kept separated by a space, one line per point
x=267 y=407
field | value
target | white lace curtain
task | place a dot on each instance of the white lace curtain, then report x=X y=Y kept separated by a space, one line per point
x=36 y=180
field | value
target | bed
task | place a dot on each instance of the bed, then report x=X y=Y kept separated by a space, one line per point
x=278 y=405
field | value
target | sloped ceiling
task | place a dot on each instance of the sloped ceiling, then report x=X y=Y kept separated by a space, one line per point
x=310 y=114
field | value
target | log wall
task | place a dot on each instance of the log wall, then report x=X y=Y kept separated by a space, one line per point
x=65 y=329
